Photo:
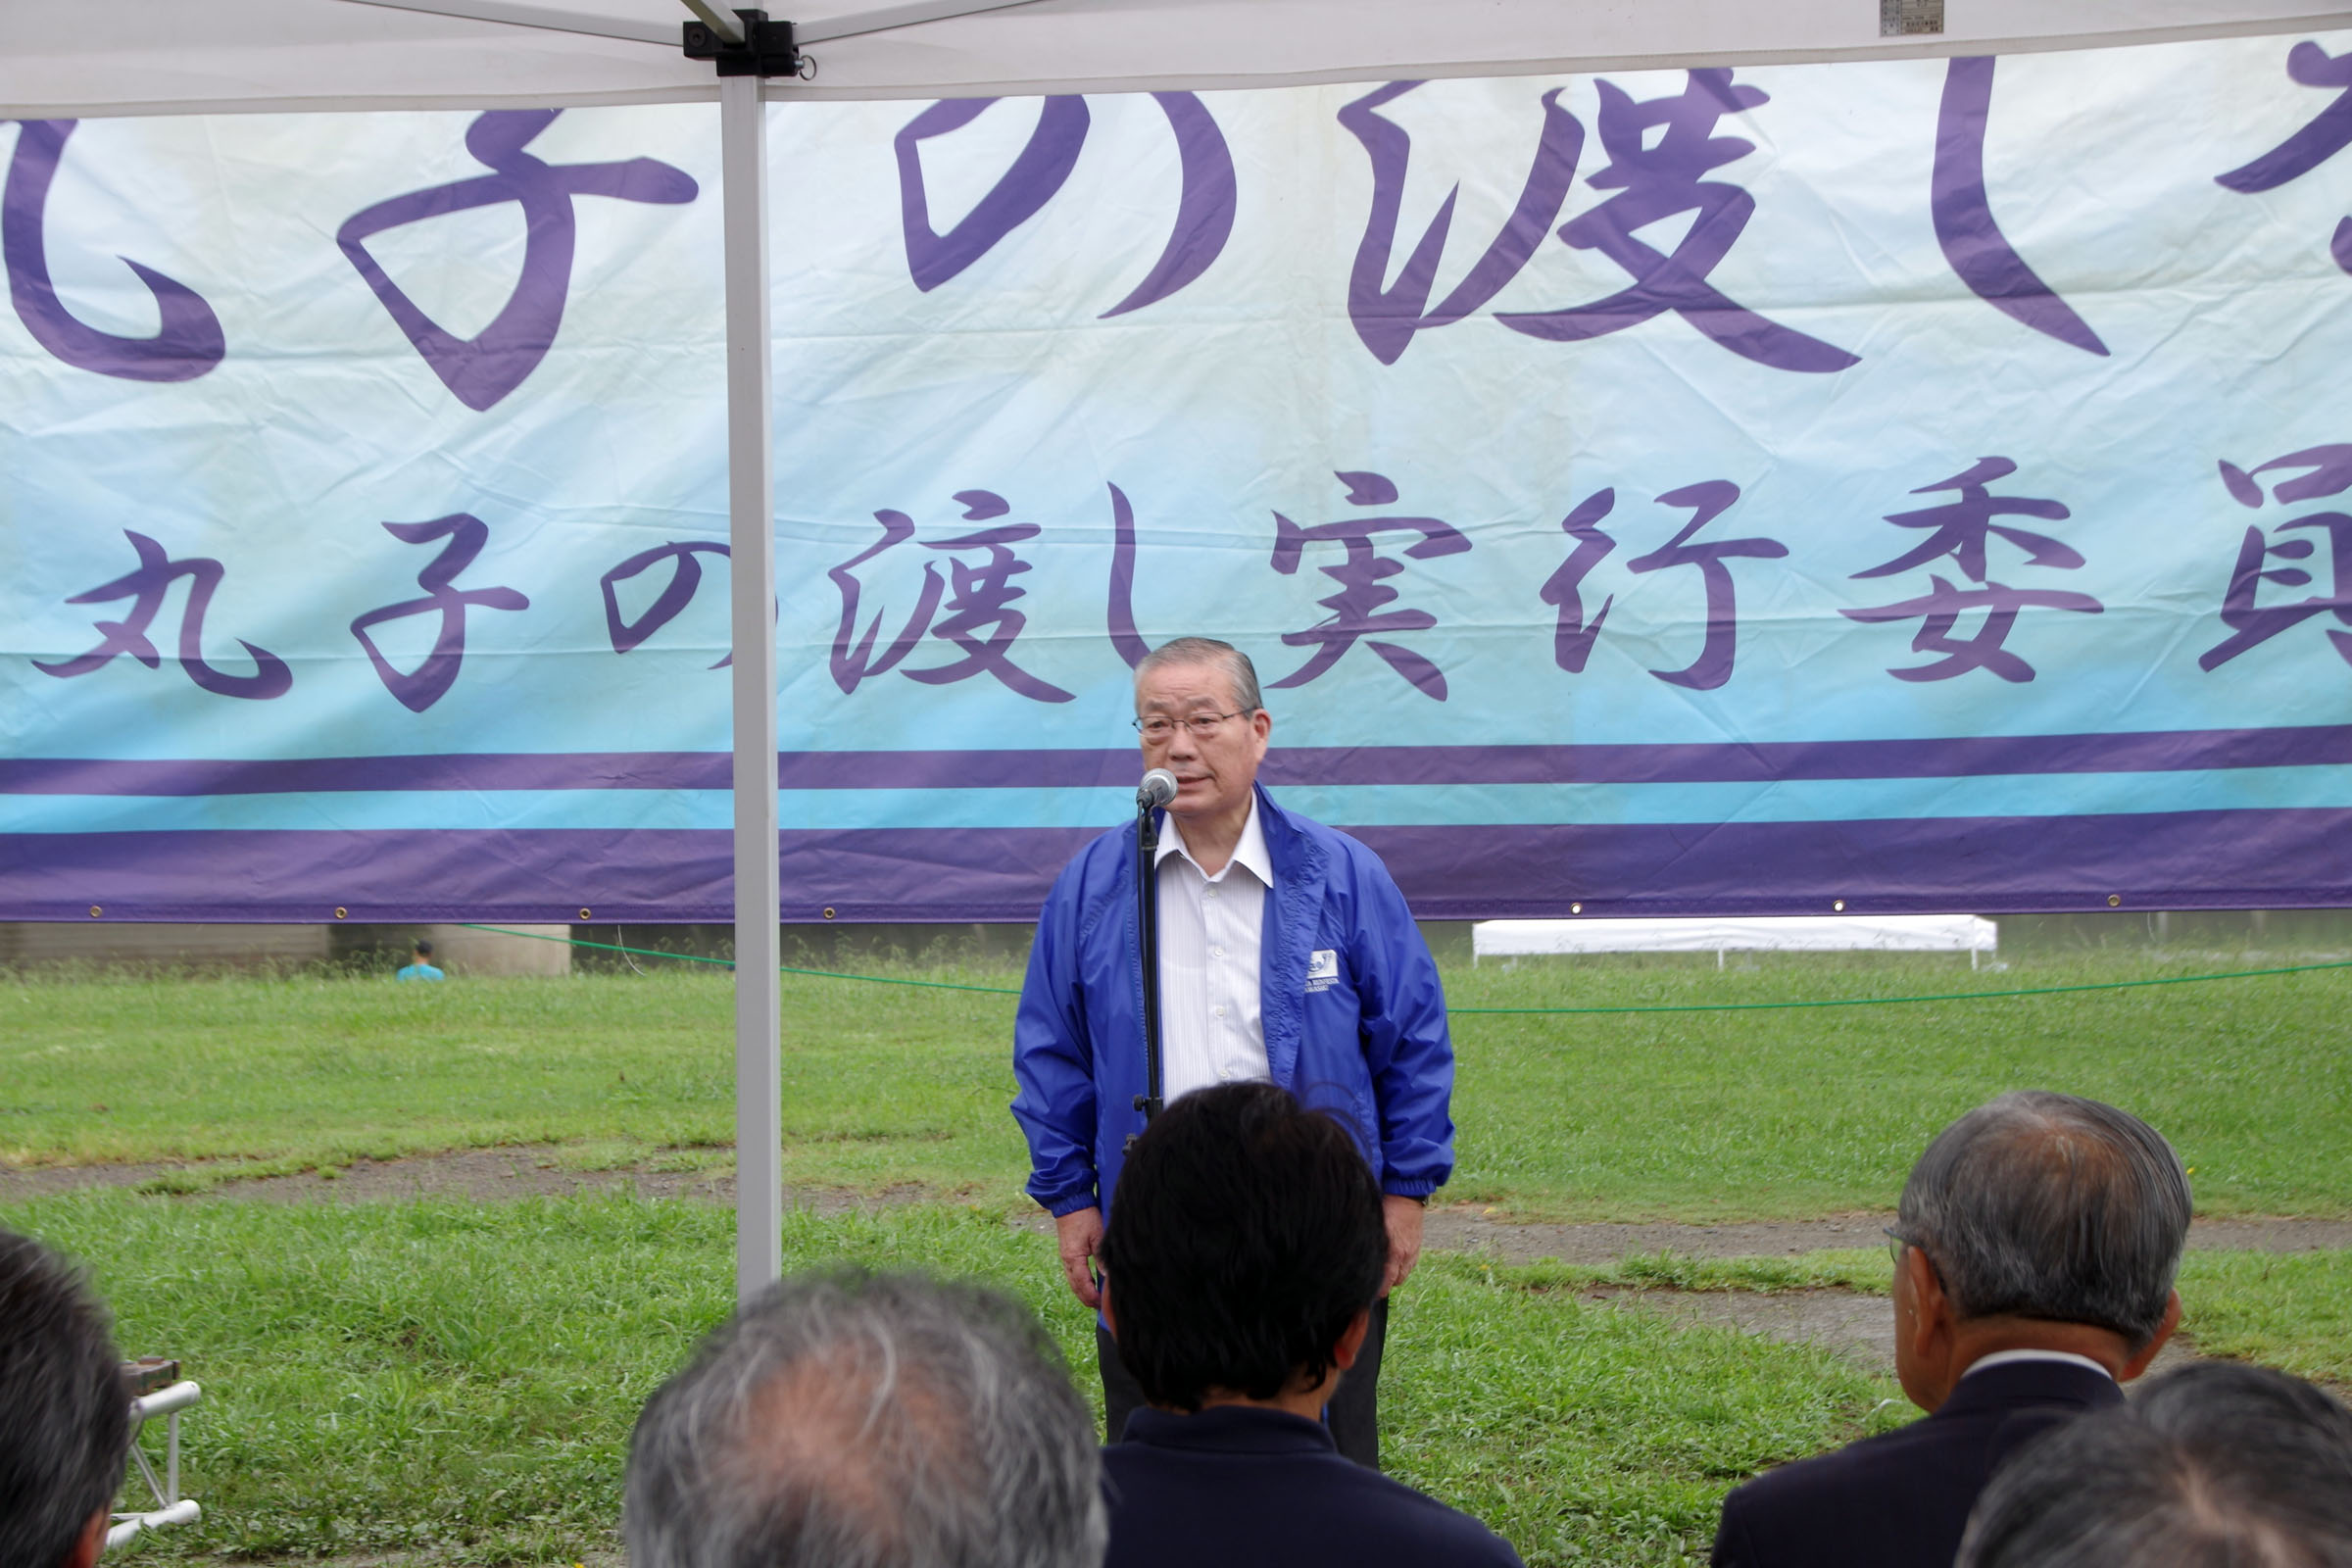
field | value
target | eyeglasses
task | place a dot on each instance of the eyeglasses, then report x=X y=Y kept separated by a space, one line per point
x=1202 y=726
x=1896 y=1243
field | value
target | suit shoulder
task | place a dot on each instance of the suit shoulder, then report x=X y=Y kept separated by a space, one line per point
x=1420 y=1528
x=1860 y=1465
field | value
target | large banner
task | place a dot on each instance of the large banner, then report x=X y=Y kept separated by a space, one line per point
x=1909 y=485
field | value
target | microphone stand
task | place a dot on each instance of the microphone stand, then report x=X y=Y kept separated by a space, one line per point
x=1146 y=942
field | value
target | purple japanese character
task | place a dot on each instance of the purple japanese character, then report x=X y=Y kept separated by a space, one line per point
x=1120 y=615
x=1355 y=610
x=145 y=589
x=2327 y=134
x=1386 y=317
x=685 y=580
x=1660 y=180
x=431 y=680
x=1939 y=609
x=2330 y=472
x=1972 y=241
x=483 y=369
x=188 y=341
x=1572 y=642
x=853 y=661
x=1204 y=211
x=1707 y=499
x=1962 y=529
x=977 y=600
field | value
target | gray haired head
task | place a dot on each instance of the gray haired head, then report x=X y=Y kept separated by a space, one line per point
x=1209 y=651
x=2052 y=1206
x=845 y=1419
x=65 y=1412
x=2215 y=1466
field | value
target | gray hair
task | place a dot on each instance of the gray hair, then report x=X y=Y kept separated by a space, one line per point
x=65 y=1411
x=2052 y=1206
x=1209 y=651
x=2216 y=1466
x=844 y=1419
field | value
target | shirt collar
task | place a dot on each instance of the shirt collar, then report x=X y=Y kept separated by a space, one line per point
x=1249 y=854
x=2008 y=1358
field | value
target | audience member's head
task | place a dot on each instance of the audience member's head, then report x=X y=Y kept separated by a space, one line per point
x=1245 y=1249
x=2215 y=1466
x=65 y=1411
x=2038 y=1220
x=423 y=950
x=853 y=1420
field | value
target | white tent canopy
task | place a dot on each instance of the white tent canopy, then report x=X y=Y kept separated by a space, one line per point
x=74 y=59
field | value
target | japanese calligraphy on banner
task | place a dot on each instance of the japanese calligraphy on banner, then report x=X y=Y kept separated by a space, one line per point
x=1903 y=485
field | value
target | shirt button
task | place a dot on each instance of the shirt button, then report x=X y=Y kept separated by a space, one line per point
x=1212 y=893
x=1216 y=953
x=1220 y=1010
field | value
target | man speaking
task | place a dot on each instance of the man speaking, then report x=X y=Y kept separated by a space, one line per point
x=1284 y=953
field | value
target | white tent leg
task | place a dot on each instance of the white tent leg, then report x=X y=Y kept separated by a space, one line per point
x=750 y=531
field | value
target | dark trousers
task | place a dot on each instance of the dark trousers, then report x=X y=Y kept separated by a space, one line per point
x=1354 y=1414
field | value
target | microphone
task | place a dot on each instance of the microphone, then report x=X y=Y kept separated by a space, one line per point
x=1158 y=788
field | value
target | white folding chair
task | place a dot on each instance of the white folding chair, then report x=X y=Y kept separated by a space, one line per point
x=156 y=1389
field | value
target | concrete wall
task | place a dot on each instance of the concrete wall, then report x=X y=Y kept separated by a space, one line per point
x=129 y=942
x=462 y=952
x=138 y=944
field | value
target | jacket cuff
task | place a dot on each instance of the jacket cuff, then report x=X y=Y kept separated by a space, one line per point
x=1069 y=1203
x=1399 y=1187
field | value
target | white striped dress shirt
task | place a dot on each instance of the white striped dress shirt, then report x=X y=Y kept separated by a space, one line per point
x=1211 y=1030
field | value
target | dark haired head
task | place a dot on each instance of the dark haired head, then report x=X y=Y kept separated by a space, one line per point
x=65 y=1412
x=1245 y=1236
x=2215 y=1466
x=425 y=949
x=2052 y=1206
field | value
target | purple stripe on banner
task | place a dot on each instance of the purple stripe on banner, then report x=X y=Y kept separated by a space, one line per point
x=1984 y=865
x=1963 y=757
x=336 y=775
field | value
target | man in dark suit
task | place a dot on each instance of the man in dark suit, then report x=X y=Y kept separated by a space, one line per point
x=1240 y=1269
x=2035 y=1251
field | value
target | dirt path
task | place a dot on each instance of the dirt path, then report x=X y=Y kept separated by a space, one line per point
x=1509 y=1242
x=493 y=1174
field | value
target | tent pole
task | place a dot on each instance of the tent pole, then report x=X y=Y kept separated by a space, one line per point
x=751 y=532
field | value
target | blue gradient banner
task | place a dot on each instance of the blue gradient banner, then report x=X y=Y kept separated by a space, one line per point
x=1916 y=484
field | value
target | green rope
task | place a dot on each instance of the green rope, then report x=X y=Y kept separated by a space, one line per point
x=1681 y=1007
x=1948 y=995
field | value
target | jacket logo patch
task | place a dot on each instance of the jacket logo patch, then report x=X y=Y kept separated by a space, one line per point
x=1322 y=969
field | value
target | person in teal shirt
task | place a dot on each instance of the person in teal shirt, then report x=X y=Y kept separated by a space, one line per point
x=421 y=966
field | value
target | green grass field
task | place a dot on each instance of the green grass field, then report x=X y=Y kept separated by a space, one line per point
x=456 y=1381
x=1691 y=1115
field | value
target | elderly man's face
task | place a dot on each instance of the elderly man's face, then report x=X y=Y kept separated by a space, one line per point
x=1214 y=771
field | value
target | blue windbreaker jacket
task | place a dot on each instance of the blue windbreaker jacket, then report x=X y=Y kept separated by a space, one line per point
x=1365 y=1036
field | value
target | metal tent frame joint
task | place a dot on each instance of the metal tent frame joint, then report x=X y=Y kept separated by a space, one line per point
x=766 y=48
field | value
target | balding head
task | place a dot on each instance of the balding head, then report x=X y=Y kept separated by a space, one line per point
x=2052 y=1206
x=855 y=1420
